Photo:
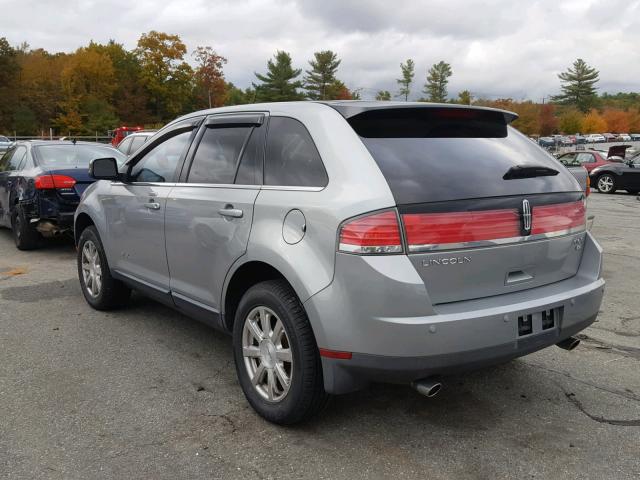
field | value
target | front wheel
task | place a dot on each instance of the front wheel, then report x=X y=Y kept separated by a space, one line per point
x=276 y=356
x=100 y=289
x=606 y=183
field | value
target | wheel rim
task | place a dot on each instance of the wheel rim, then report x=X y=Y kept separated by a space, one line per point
x=91 y=269
x=267 y=354
x=605 y=183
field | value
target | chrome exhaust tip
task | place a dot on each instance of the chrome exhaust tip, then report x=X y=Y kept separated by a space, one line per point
x=569 y=343
x=427 y=387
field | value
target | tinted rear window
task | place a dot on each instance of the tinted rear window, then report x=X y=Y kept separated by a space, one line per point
x=74 y=156
x=431 y=155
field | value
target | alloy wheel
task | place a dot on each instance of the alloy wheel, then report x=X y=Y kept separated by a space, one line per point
x=267 y=354
x=91 y=269
x=605 y=183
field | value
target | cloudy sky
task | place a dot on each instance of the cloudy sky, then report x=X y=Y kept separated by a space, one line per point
x=497 y=48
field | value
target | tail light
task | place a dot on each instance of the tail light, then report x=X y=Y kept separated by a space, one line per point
x=378 y=233
x=48 y=182
x=424 y=230
x=558 y=218
x=588 y=189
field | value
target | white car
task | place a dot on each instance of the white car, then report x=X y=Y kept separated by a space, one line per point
x=595 y=138
x=624 y=137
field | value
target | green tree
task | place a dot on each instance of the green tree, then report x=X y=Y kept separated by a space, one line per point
x=9 y=69
x=578 y=86
x=383 y=95
x=279 y=84
x=408 y=71
x=237 y=96
x=165 y=74
x=465 y=97
x=322 y=76
x=437 y=80
x=209 y=75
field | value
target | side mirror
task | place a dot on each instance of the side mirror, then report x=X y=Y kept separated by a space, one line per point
x=104 y=169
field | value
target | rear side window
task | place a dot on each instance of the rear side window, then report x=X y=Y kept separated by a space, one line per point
x=292 y=159
x=216 y=158
x=137 y=142
x=123 y=146
x=433 y=154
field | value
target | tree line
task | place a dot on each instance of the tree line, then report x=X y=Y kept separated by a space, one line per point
x=101 y=86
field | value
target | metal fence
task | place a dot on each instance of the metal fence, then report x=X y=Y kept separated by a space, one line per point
x=80 y=138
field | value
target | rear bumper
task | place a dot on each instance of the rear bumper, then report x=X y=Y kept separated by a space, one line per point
x=358 y=313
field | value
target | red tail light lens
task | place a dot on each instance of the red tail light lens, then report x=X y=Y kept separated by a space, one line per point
x=47 y=182
x=426 y=229
x=558 y=218
x=378 y=233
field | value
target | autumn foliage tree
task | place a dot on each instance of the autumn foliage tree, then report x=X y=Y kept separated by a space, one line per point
x=618 y=121
x=593 y=123
x=209 y=75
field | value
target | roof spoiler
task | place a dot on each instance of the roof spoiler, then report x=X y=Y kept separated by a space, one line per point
x=353 y=108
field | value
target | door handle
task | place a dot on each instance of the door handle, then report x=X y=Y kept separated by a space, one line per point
x=231 y=212
x=152 y=206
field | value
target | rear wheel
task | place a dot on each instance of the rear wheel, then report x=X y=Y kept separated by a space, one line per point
x=24 y=235
x=100 y=289
x=276 y=356
x=606 y=183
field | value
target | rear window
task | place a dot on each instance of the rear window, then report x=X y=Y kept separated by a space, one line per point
x=431 y=154
x=74 y=156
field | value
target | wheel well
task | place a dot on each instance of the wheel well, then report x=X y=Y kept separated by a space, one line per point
x=83 y=221
x=243 y=279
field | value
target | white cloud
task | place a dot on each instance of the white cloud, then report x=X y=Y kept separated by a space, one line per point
x=496 y=47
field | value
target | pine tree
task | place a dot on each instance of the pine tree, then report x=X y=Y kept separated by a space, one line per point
x=319 y=80
x=465 y=97
x=408 y=71
x=578 y=86
x=383 y=95
x=279 y=84
x=437 y=80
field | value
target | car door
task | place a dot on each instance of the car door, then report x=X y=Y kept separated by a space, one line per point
x=209 y=213
x=10 y=165
x=135 y=210
x=587 y=160
x=633 y=174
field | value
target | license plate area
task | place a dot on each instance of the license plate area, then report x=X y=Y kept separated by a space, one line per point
x=540 y=321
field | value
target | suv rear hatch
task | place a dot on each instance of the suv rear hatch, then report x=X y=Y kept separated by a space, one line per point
x=484 y=210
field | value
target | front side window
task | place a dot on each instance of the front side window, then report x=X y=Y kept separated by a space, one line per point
x=160 y=163
x=291 y=157
x=216 y=158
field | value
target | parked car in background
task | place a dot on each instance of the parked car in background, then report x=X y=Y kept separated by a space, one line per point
x=595 y=138
x=134 y=141
x=567 y=141
x=547 y=142
x=623 y=137
x=120 y=133
x=589 y=159
x=323 y=237
x=5 y=143
x=635 y=136
x=618 y=176
x=580 y=139
x=40 y=186
x=609 y=137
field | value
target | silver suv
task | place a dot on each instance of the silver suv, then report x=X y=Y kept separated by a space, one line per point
x=344 y=243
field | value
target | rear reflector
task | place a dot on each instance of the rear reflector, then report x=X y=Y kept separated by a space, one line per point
x=334 y=354
x=558 y=218
x=378 y=233
x=460 y=227
x=46 y=182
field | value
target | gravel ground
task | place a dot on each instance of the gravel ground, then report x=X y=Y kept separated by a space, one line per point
x=148 y=393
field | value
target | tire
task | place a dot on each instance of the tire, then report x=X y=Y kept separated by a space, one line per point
x=606 y=183
x=24 y=235
x=100 y=289
x=305 y=396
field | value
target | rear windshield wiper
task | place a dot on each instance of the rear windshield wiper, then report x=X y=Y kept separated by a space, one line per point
x=529 y=171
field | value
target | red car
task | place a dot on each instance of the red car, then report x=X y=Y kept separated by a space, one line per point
x=591 y=159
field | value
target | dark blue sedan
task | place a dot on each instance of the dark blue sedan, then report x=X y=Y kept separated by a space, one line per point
x=40 y=186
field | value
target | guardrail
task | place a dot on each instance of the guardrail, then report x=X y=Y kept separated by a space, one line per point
x=80 y=138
